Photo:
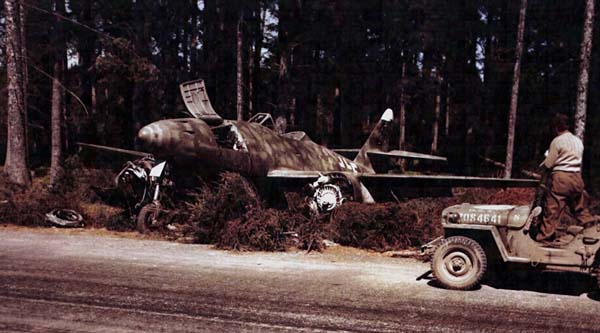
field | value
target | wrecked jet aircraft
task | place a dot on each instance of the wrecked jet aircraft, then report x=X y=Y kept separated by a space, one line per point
x=206 y=143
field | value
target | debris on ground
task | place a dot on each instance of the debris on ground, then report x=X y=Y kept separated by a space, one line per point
x=67 y=218
x=408 y=253
x=79 y=188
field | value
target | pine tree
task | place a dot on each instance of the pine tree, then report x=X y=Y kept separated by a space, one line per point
x=584 y=68
x=514 y=96
x=56 y=155
x=16 y=166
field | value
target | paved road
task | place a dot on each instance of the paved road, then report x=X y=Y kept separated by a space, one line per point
x=53 y=282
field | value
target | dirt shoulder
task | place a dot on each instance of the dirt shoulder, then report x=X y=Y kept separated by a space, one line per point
x=333 y=249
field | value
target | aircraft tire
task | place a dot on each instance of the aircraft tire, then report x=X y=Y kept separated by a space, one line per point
x=144 y=218
x=459 y=263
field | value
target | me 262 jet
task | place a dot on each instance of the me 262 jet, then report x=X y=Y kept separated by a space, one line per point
x=205 y=143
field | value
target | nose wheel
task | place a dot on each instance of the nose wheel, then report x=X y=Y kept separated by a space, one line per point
x=147 y=218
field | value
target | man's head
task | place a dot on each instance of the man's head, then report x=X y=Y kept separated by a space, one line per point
x=560 y=123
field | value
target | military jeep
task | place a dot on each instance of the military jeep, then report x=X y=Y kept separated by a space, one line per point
x=478 y=236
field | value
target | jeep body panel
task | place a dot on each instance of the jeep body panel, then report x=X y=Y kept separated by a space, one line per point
x=496 y=215
x=503 y=227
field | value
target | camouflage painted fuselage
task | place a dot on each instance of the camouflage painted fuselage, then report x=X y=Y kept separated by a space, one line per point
x=248 y=148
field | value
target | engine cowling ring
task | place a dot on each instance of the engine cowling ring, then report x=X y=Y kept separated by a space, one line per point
x=332 y=190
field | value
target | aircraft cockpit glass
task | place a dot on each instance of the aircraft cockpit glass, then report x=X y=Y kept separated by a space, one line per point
x=263 y=119
x=297 y=135
x=229 y=137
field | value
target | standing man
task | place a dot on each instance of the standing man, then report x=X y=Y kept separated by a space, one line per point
x=565 y=186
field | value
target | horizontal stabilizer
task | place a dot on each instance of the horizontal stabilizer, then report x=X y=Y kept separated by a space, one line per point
x=114 y=150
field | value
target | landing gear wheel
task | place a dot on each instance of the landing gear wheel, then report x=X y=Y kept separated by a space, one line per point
x=459 y=263
x=147 y=218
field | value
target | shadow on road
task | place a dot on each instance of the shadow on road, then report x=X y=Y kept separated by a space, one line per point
x=433 y=283
x=563 y=283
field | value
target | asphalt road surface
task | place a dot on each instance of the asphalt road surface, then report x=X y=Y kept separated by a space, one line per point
x=57 y=282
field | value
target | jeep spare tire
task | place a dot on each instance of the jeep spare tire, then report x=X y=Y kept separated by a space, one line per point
x=459 y=263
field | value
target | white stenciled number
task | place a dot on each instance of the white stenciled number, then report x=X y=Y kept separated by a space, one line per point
x=353 y=166
x=347 y=164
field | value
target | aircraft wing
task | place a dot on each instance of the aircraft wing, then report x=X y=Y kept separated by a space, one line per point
x=293 y=174
x=114 y=150
x=397 y=180
x=408 y=154
x=351 y=153
x=392 y=180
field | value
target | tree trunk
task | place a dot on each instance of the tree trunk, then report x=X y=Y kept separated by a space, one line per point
x=86 y=49
x=16 y=167
x=139 y=98
x=286 y=39
x=23 y=62
x=447 y=120
x=258 y=44
x=584 y=68
x=436 y=119
x=56 y=169
x=240 y=68
x=210 y=21
x=514 y=95
x=402 y=140
x=56 y=120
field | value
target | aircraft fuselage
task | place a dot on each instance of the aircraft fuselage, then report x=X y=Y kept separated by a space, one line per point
x=248 y=148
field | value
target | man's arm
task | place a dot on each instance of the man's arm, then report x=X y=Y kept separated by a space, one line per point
x=550 y=160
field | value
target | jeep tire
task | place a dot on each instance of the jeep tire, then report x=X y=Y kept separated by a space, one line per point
x=459 y=263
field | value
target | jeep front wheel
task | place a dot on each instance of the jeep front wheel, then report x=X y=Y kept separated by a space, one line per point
x=459 y=263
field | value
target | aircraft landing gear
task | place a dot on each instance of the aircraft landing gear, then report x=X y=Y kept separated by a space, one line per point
x=147 y=218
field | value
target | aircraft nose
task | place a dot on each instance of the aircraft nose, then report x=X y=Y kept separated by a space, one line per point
x=151 y=135
x=145 y=134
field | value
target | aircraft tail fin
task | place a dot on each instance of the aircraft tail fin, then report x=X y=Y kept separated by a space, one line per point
x=197 y=103
x=377 y=141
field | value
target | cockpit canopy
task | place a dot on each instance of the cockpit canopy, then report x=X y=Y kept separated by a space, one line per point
x=264 y=119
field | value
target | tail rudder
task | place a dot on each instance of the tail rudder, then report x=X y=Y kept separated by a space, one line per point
x=378 y=139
